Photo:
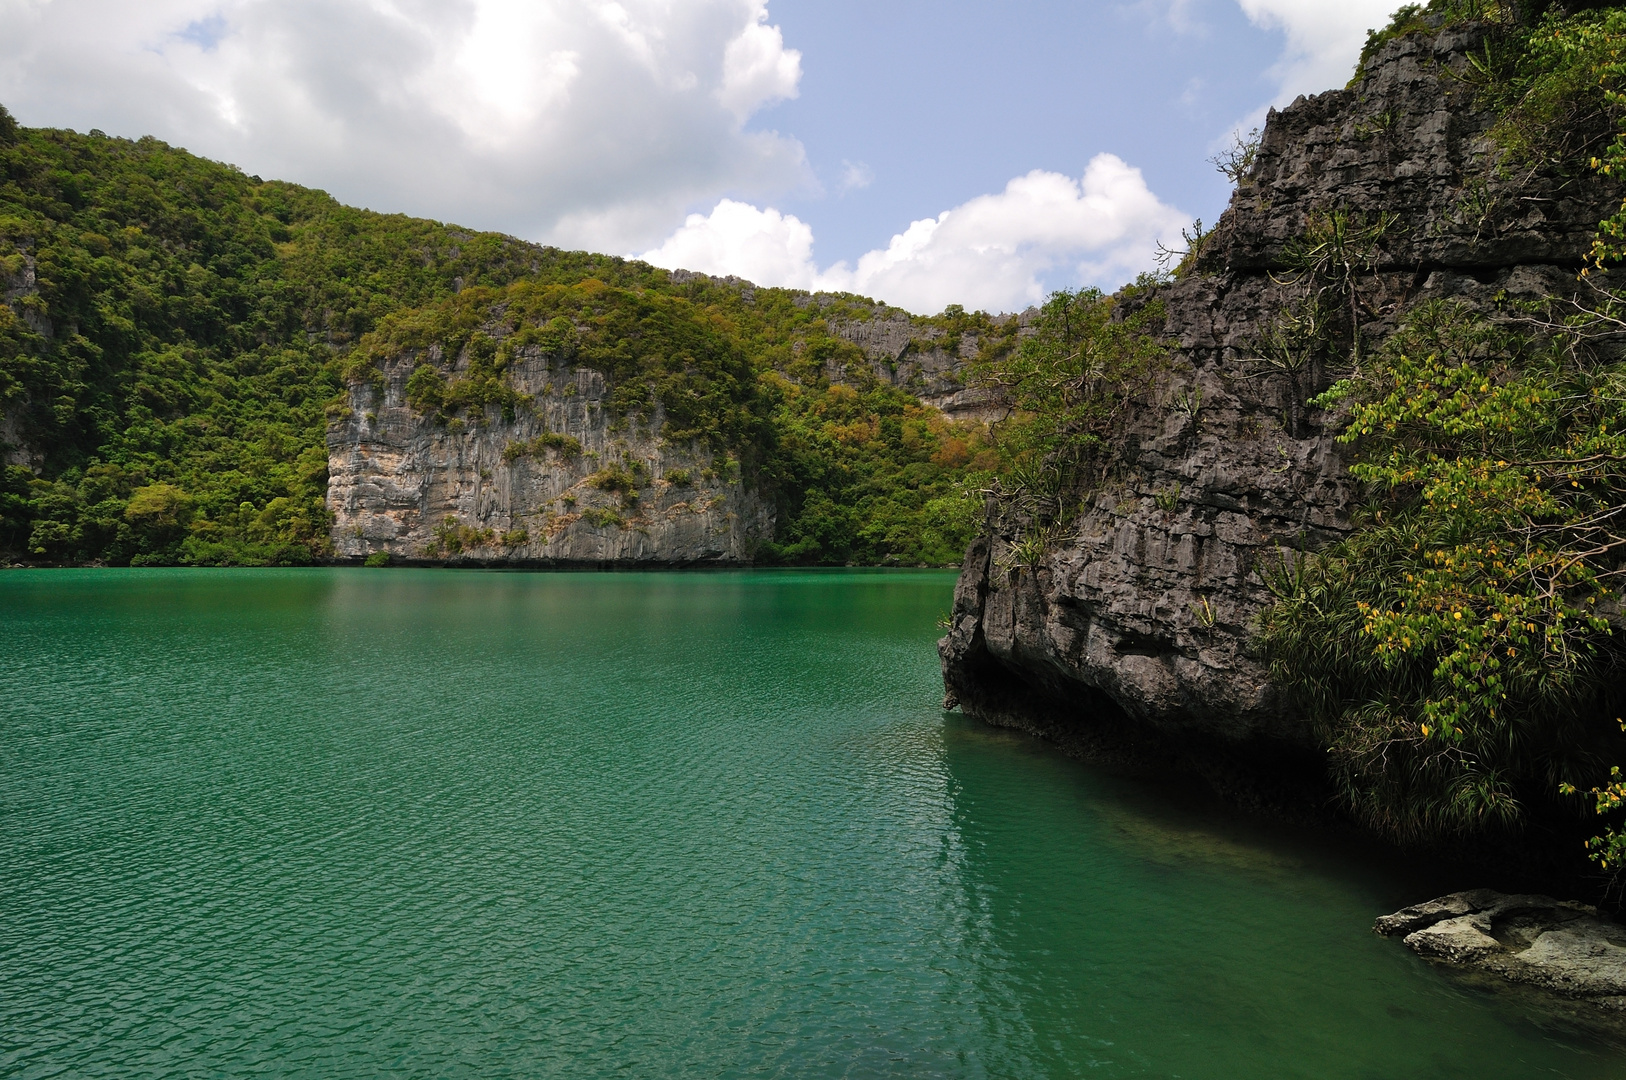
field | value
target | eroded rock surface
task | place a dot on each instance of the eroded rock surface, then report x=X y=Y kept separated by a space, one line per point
x=1140 y=616
x=488 y=492
x=1560 y=946
x=918 y=359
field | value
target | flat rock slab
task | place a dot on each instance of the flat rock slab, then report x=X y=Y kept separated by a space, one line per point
x=1567 y=948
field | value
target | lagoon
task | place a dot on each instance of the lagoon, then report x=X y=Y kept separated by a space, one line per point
x=362 y=823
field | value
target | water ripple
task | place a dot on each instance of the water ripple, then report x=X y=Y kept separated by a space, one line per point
x=356 y=824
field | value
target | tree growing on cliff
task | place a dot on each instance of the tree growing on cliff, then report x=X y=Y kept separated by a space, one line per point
x=1069 y=385
x=1457 y=651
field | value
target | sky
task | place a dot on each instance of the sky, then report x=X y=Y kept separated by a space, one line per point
x=921 y=153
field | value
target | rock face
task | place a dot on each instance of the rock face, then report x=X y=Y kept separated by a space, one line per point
x=533 y=486
x=16 y=288
x=515 y=490
x=1560 y=946
x=1138 y=620
x=917 y=359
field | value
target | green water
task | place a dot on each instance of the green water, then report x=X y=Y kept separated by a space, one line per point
x=401 y=823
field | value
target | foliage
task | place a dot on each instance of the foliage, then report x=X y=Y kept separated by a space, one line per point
x=1455 y=651
x=603 y=517
x=173 y=321
x=453 y=537
x=618 y=478
x=566 y=446
x=1436 y=14
x=1175 y=263
x=1070 y=383
x=1235 y=162
x=1330 y=262
x=869 y=475
x=656 y=349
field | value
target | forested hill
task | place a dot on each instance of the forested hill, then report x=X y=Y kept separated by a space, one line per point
x=174 y=332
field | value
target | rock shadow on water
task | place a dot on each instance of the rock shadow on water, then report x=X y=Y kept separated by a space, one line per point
x=1194 y=941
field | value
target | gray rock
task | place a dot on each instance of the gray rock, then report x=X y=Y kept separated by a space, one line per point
x=904 y=353
x=1559 y=946
x=1139 y=622
x=395 y=477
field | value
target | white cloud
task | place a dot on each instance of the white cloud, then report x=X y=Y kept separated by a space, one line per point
x=579 y=121
x=1324 y=39
x=855 y=175
x=994 y=252
x=763 y=246
x=758 y=69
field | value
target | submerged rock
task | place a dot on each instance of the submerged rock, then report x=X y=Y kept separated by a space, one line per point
x=1557 y=945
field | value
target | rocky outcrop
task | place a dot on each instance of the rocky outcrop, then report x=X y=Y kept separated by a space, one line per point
x=19 y=290
x=558 y=481
x=902 y=351
x=1559 y=946
x=1138 y=620
x=918 y=359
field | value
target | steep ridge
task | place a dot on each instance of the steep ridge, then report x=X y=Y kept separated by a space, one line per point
x=1136 y=629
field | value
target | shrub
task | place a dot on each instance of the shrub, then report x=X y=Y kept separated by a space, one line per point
x=566 y=446
x=1452 y=650
x=377 y=558
x=452 y=537
x=602 y=517
x=617 y=478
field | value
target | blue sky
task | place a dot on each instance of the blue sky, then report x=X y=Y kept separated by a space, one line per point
x=923 y=153
x=945 y=101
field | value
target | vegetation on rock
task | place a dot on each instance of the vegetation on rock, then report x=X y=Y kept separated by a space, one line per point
x=174 y=333
x=1462 y=652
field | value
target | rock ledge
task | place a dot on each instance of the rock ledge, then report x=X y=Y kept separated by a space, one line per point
x=1557 y=945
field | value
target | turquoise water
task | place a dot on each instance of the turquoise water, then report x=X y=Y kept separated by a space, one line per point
x=443 y=824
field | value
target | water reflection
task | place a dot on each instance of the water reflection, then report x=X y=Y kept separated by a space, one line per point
x=412 y=823
x=1142 y=939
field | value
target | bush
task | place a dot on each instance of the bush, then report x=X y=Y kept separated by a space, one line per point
x=1453 y=650
x=566 y=446
x=602 y=517
x=617 y=478
x=377 y=558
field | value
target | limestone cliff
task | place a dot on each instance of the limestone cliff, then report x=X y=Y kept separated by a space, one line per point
x=1138 y=622
x=911 y=357
x=559 y=481
x=559 y=473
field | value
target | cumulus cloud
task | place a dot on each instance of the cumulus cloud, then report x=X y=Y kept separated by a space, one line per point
x=758 y=69
x=586 y=122
x=994 y=252
x=1324 y=39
